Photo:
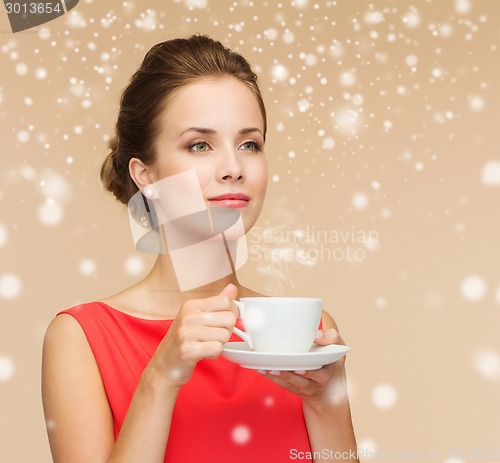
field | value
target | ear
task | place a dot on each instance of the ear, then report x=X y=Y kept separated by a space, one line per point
x=141 y=174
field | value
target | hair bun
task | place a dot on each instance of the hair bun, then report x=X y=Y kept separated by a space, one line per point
x=111 y=177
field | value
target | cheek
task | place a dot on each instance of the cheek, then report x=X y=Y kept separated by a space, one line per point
x=205 y=177
x=263 y=186
x=260 y=175
x=173 y=168
x=168 y=169
x=263 y=182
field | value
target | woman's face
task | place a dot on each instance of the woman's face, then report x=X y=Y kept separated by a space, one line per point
x=215 y=127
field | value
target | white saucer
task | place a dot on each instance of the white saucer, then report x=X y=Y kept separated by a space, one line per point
x=318 y=356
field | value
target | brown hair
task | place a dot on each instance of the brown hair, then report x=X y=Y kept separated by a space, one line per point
x=167 y=67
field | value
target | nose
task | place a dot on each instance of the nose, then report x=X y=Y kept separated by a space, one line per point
x=230 y=167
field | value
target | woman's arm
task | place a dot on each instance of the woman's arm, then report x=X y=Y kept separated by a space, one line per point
x=77 y=413
x=76 y=409
x=328 y=420
x=79 y=419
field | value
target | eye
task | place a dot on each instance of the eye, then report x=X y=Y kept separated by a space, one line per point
x=250 y=146
x=199 y=147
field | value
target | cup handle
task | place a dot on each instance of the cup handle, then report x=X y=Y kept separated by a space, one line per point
x=239 y=332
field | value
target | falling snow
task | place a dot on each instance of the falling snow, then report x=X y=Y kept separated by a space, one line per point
x=134 y=265
x=269 y=401
x=241 y=434
x=463 y=6
x=3 y=235
x=196 y=3
x=303 y=105
x=7 y=368
x=76 y=20
x=41 y=73
x=328 y=143
x=490 y=174
x=280 y=72
x=50 y=212
x=473 y=288
x=348 y=78
x=87 y=267
x=360 y=201
x=412 y=19
x=487 y=364
x=367 y=445
x=147 y=21
x=23 y=136
x=21 y=69
x=53 y=185
x=476 y=103
x=384 y=396
x=371 y=243
x=10 y=286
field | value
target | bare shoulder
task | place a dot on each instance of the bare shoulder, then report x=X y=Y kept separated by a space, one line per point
x=328 y=321
x=79 y=420
x=64 y=339
x=61 y=327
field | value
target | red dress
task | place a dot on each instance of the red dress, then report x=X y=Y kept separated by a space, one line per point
x=224 y=414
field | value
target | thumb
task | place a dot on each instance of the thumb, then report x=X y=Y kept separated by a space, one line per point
x=328 y=336
x=231 y=291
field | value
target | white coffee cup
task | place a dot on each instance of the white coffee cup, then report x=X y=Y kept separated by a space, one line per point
x=279 y=324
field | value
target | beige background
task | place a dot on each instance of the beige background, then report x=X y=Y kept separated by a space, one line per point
x=384 y=121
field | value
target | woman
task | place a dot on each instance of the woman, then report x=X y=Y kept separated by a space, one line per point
x=138 y=377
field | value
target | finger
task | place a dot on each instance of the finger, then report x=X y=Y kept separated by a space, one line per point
x=221 y=335
x=289 y=381
x=189 y=333
x=209 y=349
x=226 y=319
x=327 y=337
x=231 y=291
x=191 y=352
x=214 y=303
x=293 y=379
x=319 y=376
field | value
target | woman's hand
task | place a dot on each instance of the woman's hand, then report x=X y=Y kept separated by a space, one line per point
x=316 y=387
x=325 y=402
x=200 y=330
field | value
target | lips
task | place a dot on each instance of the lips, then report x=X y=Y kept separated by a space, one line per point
x=230 y=200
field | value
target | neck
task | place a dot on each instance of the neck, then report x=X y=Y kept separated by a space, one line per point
x=173 y=276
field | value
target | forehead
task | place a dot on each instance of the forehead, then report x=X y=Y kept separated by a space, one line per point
x=215 y=103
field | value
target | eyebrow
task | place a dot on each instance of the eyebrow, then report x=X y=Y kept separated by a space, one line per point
x=206 y=131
